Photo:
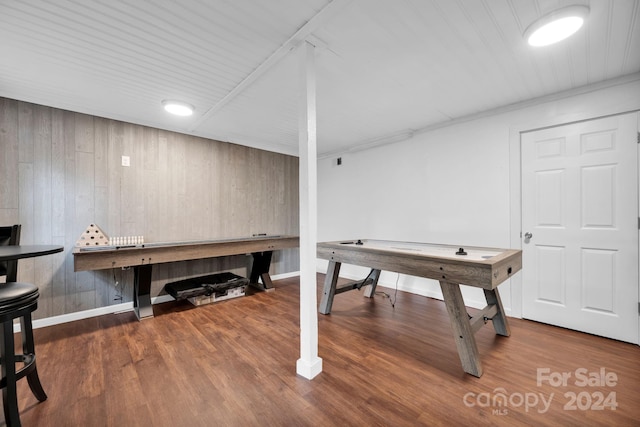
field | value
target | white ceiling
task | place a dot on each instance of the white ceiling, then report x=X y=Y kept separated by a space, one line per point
x=385 y=68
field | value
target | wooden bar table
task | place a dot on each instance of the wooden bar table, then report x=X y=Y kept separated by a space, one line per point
x=484 y=268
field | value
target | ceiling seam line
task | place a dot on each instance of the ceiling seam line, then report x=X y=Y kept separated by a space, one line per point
x=311 y=25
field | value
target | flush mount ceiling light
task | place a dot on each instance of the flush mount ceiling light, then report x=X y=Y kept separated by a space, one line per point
x=178 y=108
x=556 y=26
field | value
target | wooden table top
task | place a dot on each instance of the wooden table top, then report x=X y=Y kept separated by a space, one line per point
x=481 y=267
x=103 y=257
x=9 y=253
x=418 y=249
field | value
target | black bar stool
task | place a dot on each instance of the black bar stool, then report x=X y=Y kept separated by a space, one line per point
x=17 y=300
x=10 y=236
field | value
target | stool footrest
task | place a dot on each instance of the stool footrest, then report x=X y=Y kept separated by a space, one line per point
x=29 y=361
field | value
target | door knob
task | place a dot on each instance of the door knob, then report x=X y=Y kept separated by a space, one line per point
x=527 y=237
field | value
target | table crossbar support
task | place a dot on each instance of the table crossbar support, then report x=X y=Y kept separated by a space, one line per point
x=331 y=288
x=480 y=319
x=369 y=283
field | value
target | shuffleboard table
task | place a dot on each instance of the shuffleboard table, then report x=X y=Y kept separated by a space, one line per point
x=452 y=266
x=142 y=257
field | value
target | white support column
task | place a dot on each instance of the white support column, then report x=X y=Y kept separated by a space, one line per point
x=309 y=365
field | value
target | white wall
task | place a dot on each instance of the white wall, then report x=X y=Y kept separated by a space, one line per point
x=457 y=184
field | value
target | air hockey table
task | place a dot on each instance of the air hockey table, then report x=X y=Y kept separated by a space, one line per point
x=452 y=266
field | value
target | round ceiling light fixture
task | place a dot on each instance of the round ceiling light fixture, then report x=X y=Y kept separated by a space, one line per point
x=556 y=26
x=178 y=108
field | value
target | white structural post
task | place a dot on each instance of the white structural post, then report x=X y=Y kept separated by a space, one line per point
x=309 y=365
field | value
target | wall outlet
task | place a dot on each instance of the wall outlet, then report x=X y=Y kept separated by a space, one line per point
x=126 y=161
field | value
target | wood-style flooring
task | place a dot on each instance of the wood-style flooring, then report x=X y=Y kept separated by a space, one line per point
x=233 y=363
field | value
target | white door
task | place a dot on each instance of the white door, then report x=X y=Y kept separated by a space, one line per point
x=580 y=209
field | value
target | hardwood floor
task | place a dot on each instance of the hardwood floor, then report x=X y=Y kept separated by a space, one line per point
x=233 y=363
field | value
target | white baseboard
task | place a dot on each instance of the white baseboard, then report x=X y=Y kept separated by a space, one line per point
x=78 y=315
x=86 y=314
x=285 y=275
x=111 y=309
x=128 y=306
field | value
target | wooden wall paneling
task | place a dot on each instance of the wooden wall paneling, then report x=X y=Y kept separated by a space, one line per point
x=85 y=214
x=101 y=154
x=42 y=175
x=85 y=192
x=197 y=195
x=103 y=280
x=128 y=181
x=175 y=182
x=25 y=185
x=25 y=132
x=155 y=203
x=101 y=207
x=25 y=188
x=196 y=268
x=84 y=205
x=218 y=204
x=8 y=216
x=102 y=283
x=248 y=193
x=85 y=300
x=160 y=277
x=151 y=149
x=254 y=203
x=104 y=135
x=293 y=195
x=105 y=289
x=125 y=284
x=138 y=211
x=277 y=213
x=153 y=194
x=168 y=225
x=42 y=203
x=260 y=178
x=237 y=192
x=290 y=259
x=205 y=184
x=58 y=175
x=158 y=204
x=9 y=160
x=71 y=229
x=84 y=134
x=57 y=305
x=114 y=153
x=278 y=186
x=62 y=171
x=232 y=185
x=44 y=269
